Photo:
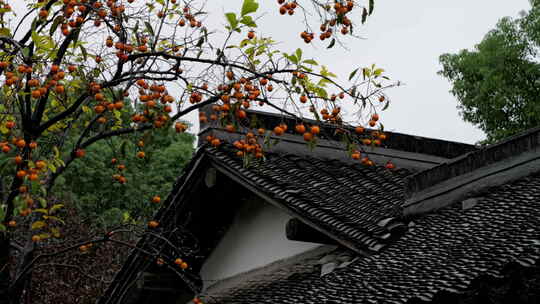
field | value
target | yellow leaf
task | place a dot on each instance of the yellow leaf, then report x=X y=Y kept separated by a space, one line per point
x=55 y=207
x=378 y=72
x=44 y=236
x=55 y=232
x=54 y=218
x=38 y=225
x=41 y=210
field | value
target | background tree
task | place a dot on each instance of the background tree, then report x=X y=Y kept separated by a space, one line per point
x=497 y=83
x=79 y=72
x=115 y=203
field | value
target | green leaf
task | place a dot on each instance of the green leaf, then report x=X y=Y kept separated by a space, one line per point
x=35 y=38
x=41 y=210
x=305 y=68
x=126 y=217
x=250 y=51
x=378 y=72
x=34 y=186
x=366 y=72
x=56 y=152
x=299 y=54
x=371 y=6
x=84 y=52
x=233 y=22
x=4 y=163
x=123 y=148
x=322 y=93
x=43 y=202
x=364 y=15
x=149 y=28
x=249 y=6
x=55 y=24
x=248 y=21
x=5 y=32
x=352 y=74
x=38 y=225
x=326 y=73
x=245 y=42
x=311 y=61
x=323 y=82
x=26 y=51
x=386 y=105
x=332 y=43
x=292 y=58
x=2 y=227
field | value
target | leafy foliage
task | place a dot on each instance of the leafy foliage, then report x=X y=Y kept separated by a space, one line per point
x=89 y=185
x=497 y=83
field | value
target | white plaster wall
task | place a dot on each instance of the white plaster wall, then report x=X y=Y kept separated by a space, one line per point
x=256 y=238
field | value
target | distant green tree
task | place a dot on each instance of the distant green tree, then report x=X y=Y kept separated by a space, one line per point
x=88 y=183
x=497 y=83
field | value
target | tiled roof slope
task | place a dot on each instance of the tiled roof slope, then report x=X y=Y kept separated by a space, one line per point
x=351 y=202
x=443 y=251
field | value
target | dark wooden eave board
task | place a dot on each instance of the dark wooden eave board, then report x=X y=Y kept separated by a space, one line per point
x=296 y=230
x=473 y=173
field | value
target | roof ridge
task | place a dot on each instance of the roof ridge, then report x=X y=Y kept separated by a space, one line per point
x=409 y=148
x=473 y=172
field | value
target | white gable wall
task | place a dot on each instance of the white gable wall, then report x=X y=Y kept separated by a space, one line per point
x=255 y=239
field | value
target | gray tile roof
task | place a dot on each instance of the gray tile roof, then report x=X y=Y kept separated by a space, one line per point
x=442 y=251
x=357 y=204
x=362 y=208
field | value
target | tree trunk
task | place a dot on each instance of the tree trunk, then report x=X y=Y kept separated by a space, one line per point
x=14 y=294
x=4 y=269
x=21 y=290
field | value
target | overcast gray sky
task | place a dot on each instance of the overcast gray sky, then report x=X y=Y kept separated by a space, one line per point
x=406 y=38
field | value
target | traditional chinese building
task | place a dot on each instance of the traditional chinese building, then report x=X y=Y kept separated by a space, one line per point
x=451 y=224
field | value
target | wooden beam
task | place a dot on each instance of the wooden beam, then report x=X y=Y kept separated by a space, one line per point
x=296 y=230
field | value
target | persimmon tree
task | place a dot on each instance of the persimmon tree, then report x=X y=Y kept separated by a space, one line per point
x=128 y=68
